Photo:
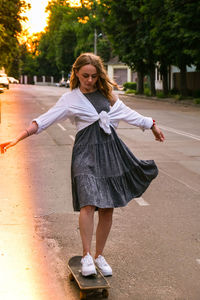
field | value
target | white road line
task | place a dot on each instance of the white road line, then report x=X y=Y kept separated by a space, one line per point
x=63 y=128
x=141 y=201
x=198 y=261
x=180 y=181
x=189 y=135
x=72 y=137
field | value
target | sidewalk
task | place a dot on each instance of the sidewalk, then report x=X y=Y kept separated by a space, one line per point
x=168 y=100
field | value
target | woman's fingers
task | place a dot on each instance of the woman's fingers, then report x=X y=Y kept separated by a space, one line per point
x=159 y=136
x=4 y=147
x=162 y=136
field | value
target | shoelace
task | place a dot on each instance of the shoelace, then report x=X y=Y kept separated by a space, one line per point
x=103 y=261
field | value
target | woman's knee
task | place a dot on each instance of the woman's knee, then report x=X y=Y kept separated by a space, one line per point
x=106 y=213
x=89 y=210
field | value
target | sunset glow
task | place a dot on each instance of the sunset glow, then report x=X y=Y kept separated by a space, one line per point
x=37 y=17
x=74 y=3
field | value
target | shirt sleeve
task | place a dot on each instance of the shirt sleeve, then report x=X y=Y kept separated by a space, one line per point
x=125 y=113
x=60 y=111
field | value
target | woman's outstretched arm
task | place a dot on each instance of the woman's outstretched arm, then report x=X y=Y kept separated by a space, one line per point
x=32 y=128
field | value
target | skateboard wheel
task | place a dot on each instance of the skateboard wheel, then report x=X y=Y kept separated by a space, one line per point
x=71 y=277
x=82 y=295
x=105 y=293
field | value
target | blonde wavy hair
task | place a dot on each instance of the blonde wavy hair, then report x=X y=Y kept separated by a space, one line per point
x=103 y=84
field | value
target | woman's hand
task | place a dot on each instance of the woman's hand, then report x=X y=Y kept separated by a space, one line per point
x=5 y=146
x=24 y=134
x=159 y=136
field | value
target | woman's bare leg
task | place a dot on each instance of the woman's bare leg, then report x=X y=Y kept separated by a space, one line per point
x=103 y=229
x=86 y=224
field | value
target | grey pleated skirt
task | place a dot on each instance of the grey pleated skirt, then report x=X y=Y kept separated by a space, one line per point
x=105 y=173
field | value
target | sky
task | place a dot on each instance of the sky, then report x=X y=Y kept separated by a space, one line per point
x=37 y=18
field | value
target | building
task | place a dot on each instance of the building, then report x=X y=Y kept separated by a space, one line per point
x=120 y=72
x=193 y=78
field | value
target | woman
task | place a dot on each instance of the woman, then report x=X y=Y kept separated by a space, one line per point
x=105 y=174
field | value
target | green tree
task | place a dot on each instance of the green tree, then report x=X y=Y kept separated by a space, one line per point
x=121 y=26
x=70 y=32
x=28 y=63
x=149 y=31
x=186 y=34
x=157 y=27
x=10 y=27
x=104 y=48
x=176 y=33
x=57 y=44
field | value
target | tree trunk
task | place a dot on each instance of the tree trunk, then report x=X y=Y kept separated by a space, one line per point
x=152 y=81
x=164 y=73
x=140 y=82
x=183 y=81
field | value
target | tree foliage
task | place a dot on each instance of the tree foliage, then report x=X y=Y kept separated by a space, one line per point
x=149 y=31
x=70 y=32
x=10 y=27
x=145 y=34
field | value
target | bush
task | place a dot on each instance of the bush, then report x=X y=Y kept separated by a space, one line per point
x=146 y=85
x=196 y=94
x=178 y=97
x=197 y=101
x=147 y=92
x=130 y=86
x=130 y=92
x=160 y=94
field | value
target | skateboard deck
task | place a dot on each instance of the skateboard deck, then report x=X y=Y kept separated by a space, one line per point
x=89 y=283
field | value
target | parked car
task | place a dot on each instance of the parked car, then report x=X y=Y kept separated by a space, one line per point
x=63 y=83
x=67 y=85
x=4 y=82
x=13 y=80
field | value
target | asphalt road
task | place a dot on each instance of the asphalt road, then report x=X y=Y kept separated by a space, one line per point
x=154 y=245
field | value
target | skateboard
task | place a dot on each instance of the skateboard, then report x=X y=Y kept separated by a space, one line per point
x=89 y=283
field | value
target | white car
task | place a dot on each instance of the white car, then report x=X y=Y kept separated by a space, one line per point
x=4 y=82
x=13 y=80
x=63 y=83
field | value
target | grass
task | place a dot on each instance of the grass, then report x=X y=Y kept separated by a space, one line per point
x=130 y=91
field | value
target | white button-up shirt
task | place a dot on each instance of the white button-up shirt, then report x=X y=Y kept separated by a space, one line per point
x=76 y=107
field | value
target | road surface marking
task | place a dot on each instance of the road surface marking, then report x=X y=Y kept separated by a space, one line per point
x=189 y=135
x=141 y=201
x=180 y=181
x=63 y=128
x=198 y=261
x=72 y=137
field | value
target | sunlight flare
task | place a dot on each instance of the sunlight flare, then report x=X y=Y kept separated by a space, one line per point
x=37 y=16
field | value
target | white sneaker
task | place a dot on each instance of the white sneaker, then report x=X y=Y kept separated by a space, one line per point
x=103 y=266
x=88 y=266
